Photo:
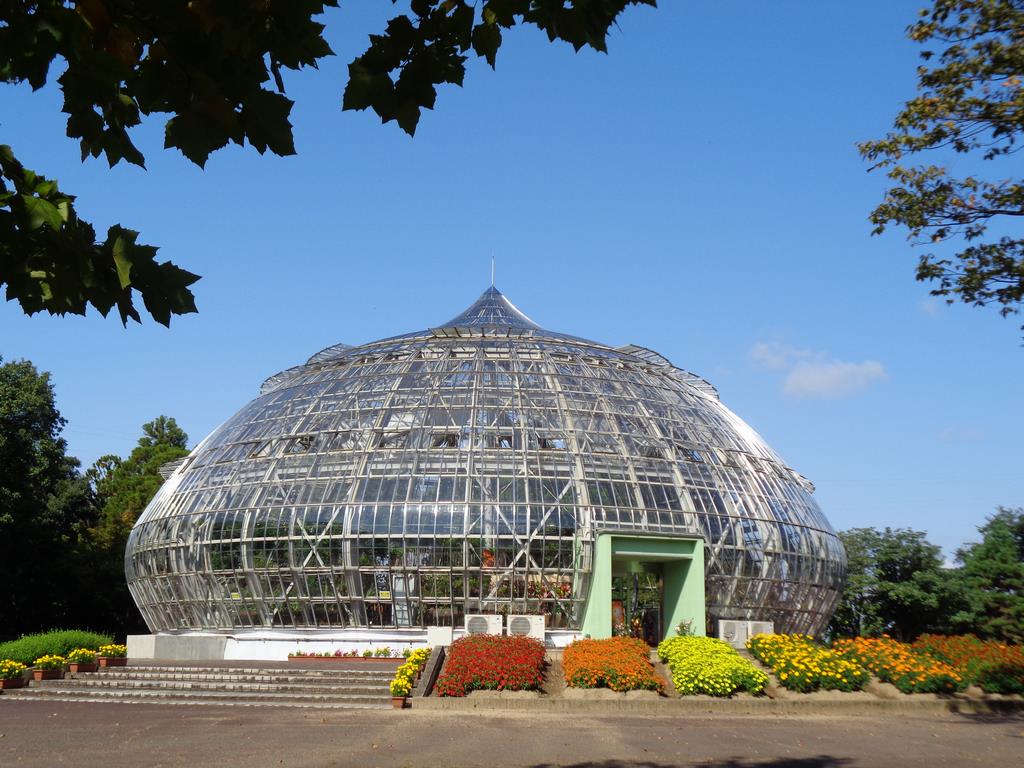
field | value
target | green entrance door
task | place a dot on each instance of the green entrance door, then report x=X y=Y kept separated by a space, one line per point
x=656 y=579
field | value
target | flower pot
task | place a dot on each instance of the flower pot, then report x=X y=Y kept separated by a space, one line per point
x=47 y=674
x=76 y=667
x=112 y=661
x=398 y=702
x=14 y=682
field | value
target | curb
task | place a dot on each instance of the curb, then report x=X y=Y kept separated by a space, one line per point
x=725 y=706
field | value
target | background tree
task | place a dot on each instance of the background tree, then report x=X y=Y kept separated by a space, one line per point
x=896 y=585
x=45 y=504
x=123 y=488
x=855 y=614
x=993 y=571
x=971 y=103
x=216 y=68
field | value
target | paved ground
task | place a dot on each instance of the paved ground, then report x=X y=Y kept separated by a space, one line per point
x=115 y=735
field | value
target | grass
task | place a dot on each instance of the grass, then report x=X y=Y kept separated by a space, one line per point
x=59 y=642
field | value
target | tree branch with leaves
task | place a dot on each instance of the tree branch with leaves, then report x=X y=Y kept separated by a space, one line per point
x=215 y=67
x=970 y=103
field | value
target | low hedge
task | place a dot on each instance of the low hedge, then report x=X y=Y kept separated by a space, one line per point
x=710 y=666
x=618 y=663
x=59 y=642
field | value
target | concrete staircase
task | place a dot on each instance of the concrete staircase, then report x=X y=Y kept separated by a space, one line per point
x=250 y=686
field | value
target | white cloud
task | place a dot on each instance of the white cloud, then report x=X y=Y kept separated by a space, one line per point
x=775 y=356
x=810 y=373
x=931 y=306
x=831 y=378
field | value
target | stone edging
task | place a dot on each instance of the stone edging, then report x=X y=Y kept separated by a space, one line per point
x=739 y=706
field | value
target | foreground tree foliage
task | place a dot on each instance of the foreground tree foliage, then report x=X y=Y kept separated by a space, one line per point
x=970 y=103
x=215 y=67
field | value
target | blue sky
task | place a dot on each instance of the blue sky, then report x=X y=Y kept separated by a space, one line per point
x=697 y=191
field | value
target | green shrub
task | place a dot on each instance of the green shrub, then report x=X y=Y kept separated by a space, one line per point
x=1001 y=677
x=56 y=643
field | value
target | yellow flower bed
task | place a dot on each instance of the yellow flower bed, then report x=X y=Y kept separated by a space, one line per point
x=10 y=669
x=114 y=649
x=710 y=666
x=405 y=675
x=804 y=666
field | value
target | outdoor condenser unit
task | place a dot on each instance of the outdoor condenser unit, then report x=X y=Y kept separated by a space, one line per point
x=733 y=632
x=736 y=632
x=482 y=624
x=760 y=628
x=526 y=625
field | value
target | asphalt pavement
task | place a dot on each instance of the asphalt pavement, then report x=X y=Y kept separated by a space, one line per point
x=84 y=735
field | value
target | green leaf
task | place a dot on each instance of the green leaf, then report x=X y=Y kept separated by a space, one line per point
x=123 y=261
x=486 y=41
x=42 y=212
x=265 y=121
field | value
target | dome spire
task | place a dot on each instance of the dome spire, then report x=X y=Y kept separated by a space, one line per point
x=492 y=310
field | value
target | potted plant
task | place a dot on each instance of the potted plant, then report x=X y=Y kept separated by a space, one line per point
x=81 y=660
x=12 y=674
x=113 y=655
x=400 y=688
x=48 y=667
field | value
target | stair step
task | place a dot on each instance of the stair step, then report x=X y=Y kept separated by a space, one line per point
x=198 y=685
x=281 y=678
x=235 y=685
x=268 y=696
x=295 y=670
x=179 y=701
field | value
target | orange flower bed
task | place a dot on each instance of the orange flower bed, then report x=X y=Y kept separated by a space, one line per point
x=618 y=663
x=898 y=663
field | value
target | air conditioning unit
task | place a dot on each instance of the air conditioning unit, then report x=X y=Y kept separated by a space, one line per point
x=483 y=624
x=439 y=636
x=760 y=628
x=736 y=632
x=733 y=632
x=526 y=626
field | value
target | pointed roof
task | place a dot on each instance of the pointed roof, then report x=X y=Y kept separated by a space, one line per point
x=492 y=310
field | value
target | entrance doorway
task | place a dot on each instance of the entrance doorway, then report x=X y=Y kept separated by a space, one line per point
x=655 y=581
x=637 y=600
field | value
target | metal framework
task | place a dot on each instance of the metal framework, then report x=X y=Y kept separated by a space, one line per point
x=468 y=468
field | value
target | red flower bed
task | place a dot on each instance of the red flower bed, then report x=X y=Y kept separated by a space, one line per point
x=618 y=663
x=492 y=663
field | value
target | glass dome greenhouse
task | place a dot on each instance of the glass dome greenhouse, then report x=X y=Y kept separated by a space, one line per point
x=471 y=468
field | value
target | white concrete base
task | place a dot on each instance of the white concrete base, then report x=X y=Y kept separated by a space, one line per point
x=276 y=644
